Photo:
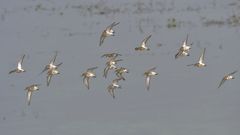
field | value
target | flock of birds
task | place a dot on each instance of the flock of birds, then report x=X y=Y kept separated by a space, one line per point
x=111 y=64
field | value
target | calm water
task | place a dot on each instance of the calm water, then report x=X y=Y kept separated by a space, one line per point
x=38 y=28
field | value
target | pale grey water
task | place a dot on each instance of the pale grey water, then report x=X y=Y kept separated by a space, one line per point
x=38 y=28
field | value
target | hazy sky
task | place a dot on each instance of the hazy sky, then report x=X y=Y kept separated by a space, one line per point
x=182 y=100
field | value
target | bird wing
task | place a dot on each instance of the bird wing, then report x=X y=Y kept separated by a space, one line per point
x=49 y=77
x=178 y=54
x=105 y=72
x=112 y=25
x=86 y=82
x=54 y=58
x=59 y=64
x=201 y=59
x=111 y=91
x=92 y=68
x=102 y=38
x=223 y=80
x=29 y=95
x=118 y=60
x=190 y=64
x=12 y=71
x=185 y=41
x=20 y=62
x=45 y=69
x=233 y=72
x=148 y=82
x=151 y=69
x=144 y=42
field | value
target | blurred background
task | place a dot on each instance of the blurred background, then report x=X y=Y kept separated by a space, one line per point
x=182 y=100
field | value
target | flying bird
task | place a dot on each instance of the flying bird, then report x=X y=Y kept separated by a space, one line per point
x=200 y=62
x=87 y=75
x=184 y=49
x=148 y=74
x=110 y=65
x=107 y=32
x=143 y=44
x=51 y=65
x=30 y=89
x=50 y=74
x=119 y=72
x=19 y=68
x=227 y=77
x=113 y=86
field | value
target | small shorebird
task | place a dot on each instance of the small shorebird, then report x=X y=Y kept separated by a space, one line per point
x=227 y=77
x=111 y=55
x=19 y=68
x=50 y=73
x=119 y=72
x=148 y=74
x=200 y=62
x=143 y=44
x=51 y=64
x=110 y=65
x=184 y=49
x=30 y=89
x=87 y=75
x=113 y=86
x=107 y=32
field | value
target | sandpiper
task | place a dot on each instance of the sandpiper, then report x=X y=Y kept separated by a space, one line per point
x=200 y=62
x=50 y=73
x=148 y=74
x=51 y=64
x=113 y=86
x=87 y=75
x=110 y=65
x=227 y=77
x=143 y=44
x=184 y=49
x=119 y=72
x=19 y=68
x=107 y=32
x=30 y=89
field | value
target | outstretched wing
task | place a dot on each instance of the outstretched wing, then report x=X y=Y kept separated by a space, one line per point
x=86 y=82
x=148 y=82
x=105 y=72
x=201 y=59
x=49 y=77
x=102 y=38
x=223 y=80
x=151 y=69
x=12 y=71
x=144 y=42
x=54 y=58
x=185 y=41
x=111 y=91
x=190 y=64
x=29 y=95
x=20 y=62
x=92 y=68
x=233 y=72
x=112 y=25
